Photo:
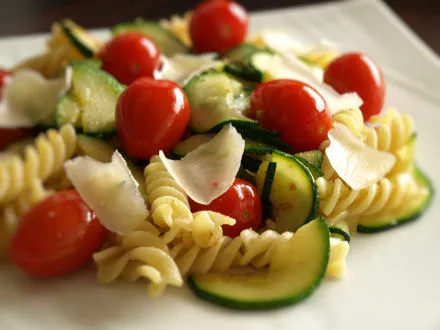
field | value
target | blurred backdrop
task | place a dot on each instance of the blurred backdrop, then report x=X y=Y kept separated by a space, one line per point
x=32 y=16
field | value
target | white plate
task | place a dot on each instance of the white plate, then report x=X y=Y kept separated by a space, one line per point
x=393 y=279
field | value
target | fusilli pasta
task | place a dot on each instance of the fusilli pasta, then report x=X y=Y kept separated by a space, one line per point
x=337 y=200
x=250 y=248
x=140 y=254
x=170 y=210
x=42 y=160
x=337 y=262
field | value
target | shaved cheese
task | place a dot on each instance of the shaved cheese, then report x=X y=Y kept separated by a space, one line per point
x=358 y=165
x=280 y=41
x=29 y=98
x=288 y=66
x=182 y=67
x=110 y=190
x=209 y=170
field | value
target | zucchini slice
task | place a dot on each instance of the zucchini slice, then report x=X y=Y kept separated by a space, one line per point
x=296 y=270
x=87 y=45
x=340 y=230
x=294 y=194
x=412 y=211
x=168 y=43
x=91 y=101
x=239 y=53
x=215 y=99
x=314 y=157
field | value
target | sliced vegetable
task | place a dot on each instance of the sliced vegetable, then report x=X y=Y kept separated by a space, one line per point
x=164 y=39
x=340 y=230
x=355 y=162
x=110 y=190
x=209 y=170
x=294 y=194
x=296 y=269
x=267 y=189
x=239 y=53
x=313 y=156
x=86 y=44
x=94 y=93
x=30 y=99
x=214 y=98
x=412 y=211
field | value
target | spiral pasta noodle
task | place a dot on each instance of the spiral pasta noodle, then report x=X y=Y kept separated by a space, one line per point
x=12 y=212
x=43 y=159
x=319 y=58
x=337 y=200
x=337 y=263
x=170 y=210
x=167 y=200
x=140 y=254
x=250 y=248
x=352 y=119
x=389 y=131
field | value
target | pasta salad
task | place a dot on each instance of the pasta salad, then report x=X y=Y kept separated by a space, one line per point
x=187 y=151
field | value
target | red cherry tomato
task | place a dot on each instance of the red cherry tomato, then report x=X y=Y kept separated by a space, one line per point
x=355 y=72
x=151 y=115
x=217 y=26
x=11 y=135
x=3 y=76
x=57 y=236
x=130 y=56
x=295 y=109
x=241 y=202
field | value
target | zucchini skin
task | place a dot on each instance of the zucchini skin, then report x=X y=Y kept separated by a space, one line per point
x=412 y=216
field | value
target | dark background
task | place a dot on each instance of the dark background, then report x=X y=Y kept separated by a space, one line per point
x=31 y=16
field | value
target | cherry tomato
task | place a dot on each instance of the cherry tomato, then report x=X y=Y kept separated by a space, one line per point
x=241 y=202
x=295 y=109
x=11 y=135
x=3 y=76
x=130 y=56
x=57 y=236
x=217 y=26
x=356 y=72
x=151 y=115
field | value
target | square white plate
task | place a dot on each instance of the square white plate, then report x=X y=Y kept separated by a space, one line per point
x=393 y=279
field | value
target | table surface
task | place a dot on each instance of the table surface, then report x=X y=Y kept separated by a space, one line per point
x=32 y=16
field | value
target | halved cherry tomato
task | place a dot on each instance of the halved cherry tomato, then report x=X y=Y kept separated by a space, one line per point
x=241 y=202
x=130 y=56
x=356 y=72
x=151 y=115
x=217 y=26
x=295 y=109
x=57 y=236
x=11 y=135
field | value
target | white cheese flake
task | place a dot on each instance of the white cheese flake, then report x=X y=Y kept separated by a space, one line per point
x=29 y=98
x=180 y=68
x=358 y=165
x=110 y=190
x=209 y=170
